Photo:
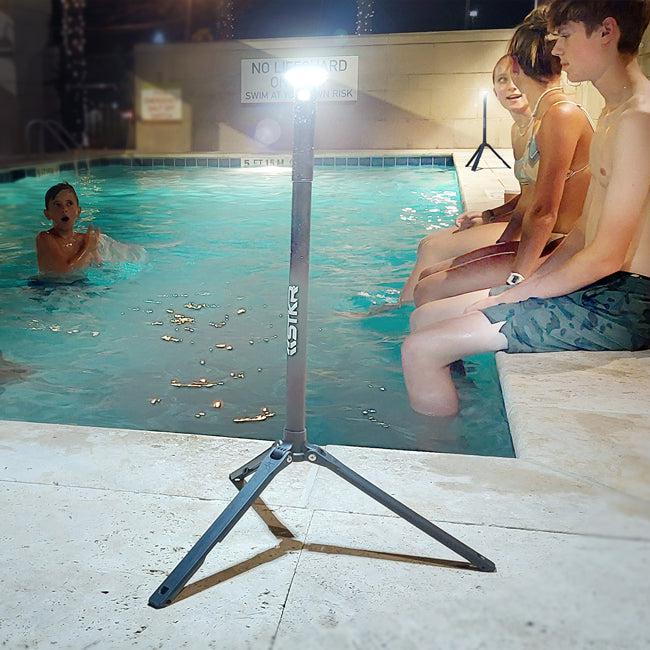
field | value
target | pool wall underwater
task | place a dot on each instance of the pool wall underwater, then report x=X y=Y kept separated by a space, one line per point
x=121 y=369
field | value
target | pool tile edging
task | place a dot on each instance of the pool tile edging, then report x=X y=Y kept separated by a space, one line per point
x=151 y=161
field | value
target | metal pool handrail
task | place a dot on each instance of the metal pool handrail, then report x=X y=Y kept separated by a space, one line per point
x=55 y=129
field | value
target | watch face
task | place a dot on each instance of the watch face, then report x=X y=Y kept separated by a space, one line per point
x=514 y=278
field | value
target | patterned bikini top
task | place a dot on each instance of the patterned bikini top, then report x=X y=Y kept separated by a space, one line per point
x=527 y=167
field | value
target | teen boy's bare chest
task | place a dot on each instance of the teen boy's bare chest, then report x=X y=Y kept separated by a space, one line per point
x=600 y=153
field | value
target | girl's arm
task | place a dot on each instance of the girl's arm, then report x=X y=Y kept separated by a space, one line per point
x=492 y=215
x=502 y=213
x=513 y=229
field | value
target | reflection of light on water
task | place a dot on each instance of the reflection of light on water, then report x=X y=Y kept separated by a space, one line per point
x=268 y=169
x=444 y=207
x=385 y=296
x=408 y=214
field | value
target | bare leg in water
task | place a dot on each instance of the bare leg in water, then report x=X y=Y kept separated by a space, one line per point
x=480 y=272
x=438 y=310
x=466 y=274
x=484 y=273
x=427 y=354
x=486 y=251
x=448 y=244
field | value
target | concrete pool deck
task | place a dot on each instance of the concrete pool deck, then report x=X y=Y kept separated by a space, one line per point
x=93 y=519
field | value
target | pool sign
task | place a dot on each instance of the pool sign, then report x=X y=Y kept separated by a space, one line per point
x=160 y=104
x=262 y=80
x=266 y=161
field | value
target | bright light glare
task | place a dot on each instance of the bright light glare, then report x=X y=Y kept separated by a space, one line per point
x=485 y=93
x=265 y=169
x=303 y=95
x=473 y=13
x=306 y=77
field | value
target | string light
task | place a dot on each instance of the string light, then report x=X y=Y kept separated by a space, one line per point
x=365 y=14
x=73 y=37
x=225 y=26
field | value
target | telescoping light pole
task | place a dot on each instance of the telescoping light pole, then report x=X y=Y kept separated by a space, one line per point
x=476 y=156
x=294 y=446
x=305 y=81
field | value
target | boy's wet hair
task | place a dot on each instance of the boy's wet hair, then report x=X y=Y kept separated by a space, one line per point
x=632 y=17
x=532 y=49
x=50 y=195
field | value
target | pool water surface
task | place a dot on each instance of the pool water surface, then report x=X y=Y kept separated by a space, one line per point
x=218 y=248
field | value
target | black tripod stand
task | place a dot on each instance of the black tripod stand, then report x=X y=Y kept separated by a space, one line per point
x=294 y=446
x=476 y=156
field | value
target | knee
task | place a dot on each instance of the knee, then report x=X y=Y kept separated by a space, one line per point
x=421 y=293
x=425 y=243
x=419 y=350
x=413 y=320
x=411 y=349
x=417 y=295
x=431 y=270
x=417 y=344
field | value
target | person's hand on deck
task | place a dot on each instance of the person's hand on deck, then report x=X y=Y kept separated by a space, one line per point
x=468 y=220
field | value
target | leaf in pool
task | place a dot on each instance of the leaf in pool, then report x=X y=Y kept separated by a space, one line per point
x=264 y=414
x=180 y=319
x=195 y=383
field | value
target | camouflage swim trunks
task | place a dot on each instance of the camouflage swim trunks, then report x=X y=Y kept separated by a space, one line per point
x=610 y=314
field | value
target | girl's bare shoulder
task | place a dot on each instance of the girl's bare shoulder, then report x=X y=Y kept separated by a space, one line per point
x=566 y=111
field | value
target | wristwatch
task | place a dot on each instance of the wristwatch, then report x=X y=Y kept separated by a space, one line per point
x=514 y=278
x=490 y=215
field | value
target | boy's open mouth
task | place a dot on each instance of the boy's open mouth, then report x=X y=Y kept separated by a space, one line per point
x=65 y=218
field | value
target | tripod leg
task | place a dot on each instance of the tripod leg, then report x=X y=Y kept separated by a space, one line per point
x=331 y=463
x=275 y=461
x=479 y=153
x=476 y=153
x=237 y=476
x=497 y=155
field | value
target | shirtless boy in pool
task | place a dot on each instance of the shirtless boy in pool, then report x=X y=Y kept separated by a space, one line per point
x=61 y=249
x=593 y=292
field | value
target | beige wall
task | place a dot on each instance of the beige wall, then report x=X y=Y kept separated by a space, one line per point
x=644 y=57
x=416 y=91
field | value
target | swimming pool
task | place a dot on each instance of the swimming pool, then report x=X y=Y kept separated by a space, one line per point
x=218 y=245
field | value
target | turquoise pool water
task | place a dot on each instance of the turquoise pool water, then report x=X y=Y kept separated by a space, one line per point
x=219 y=239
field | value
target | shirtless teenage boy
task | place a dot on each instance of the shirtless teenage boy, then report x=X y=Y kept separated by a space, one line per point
x=61 y=249
x=593 y=292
